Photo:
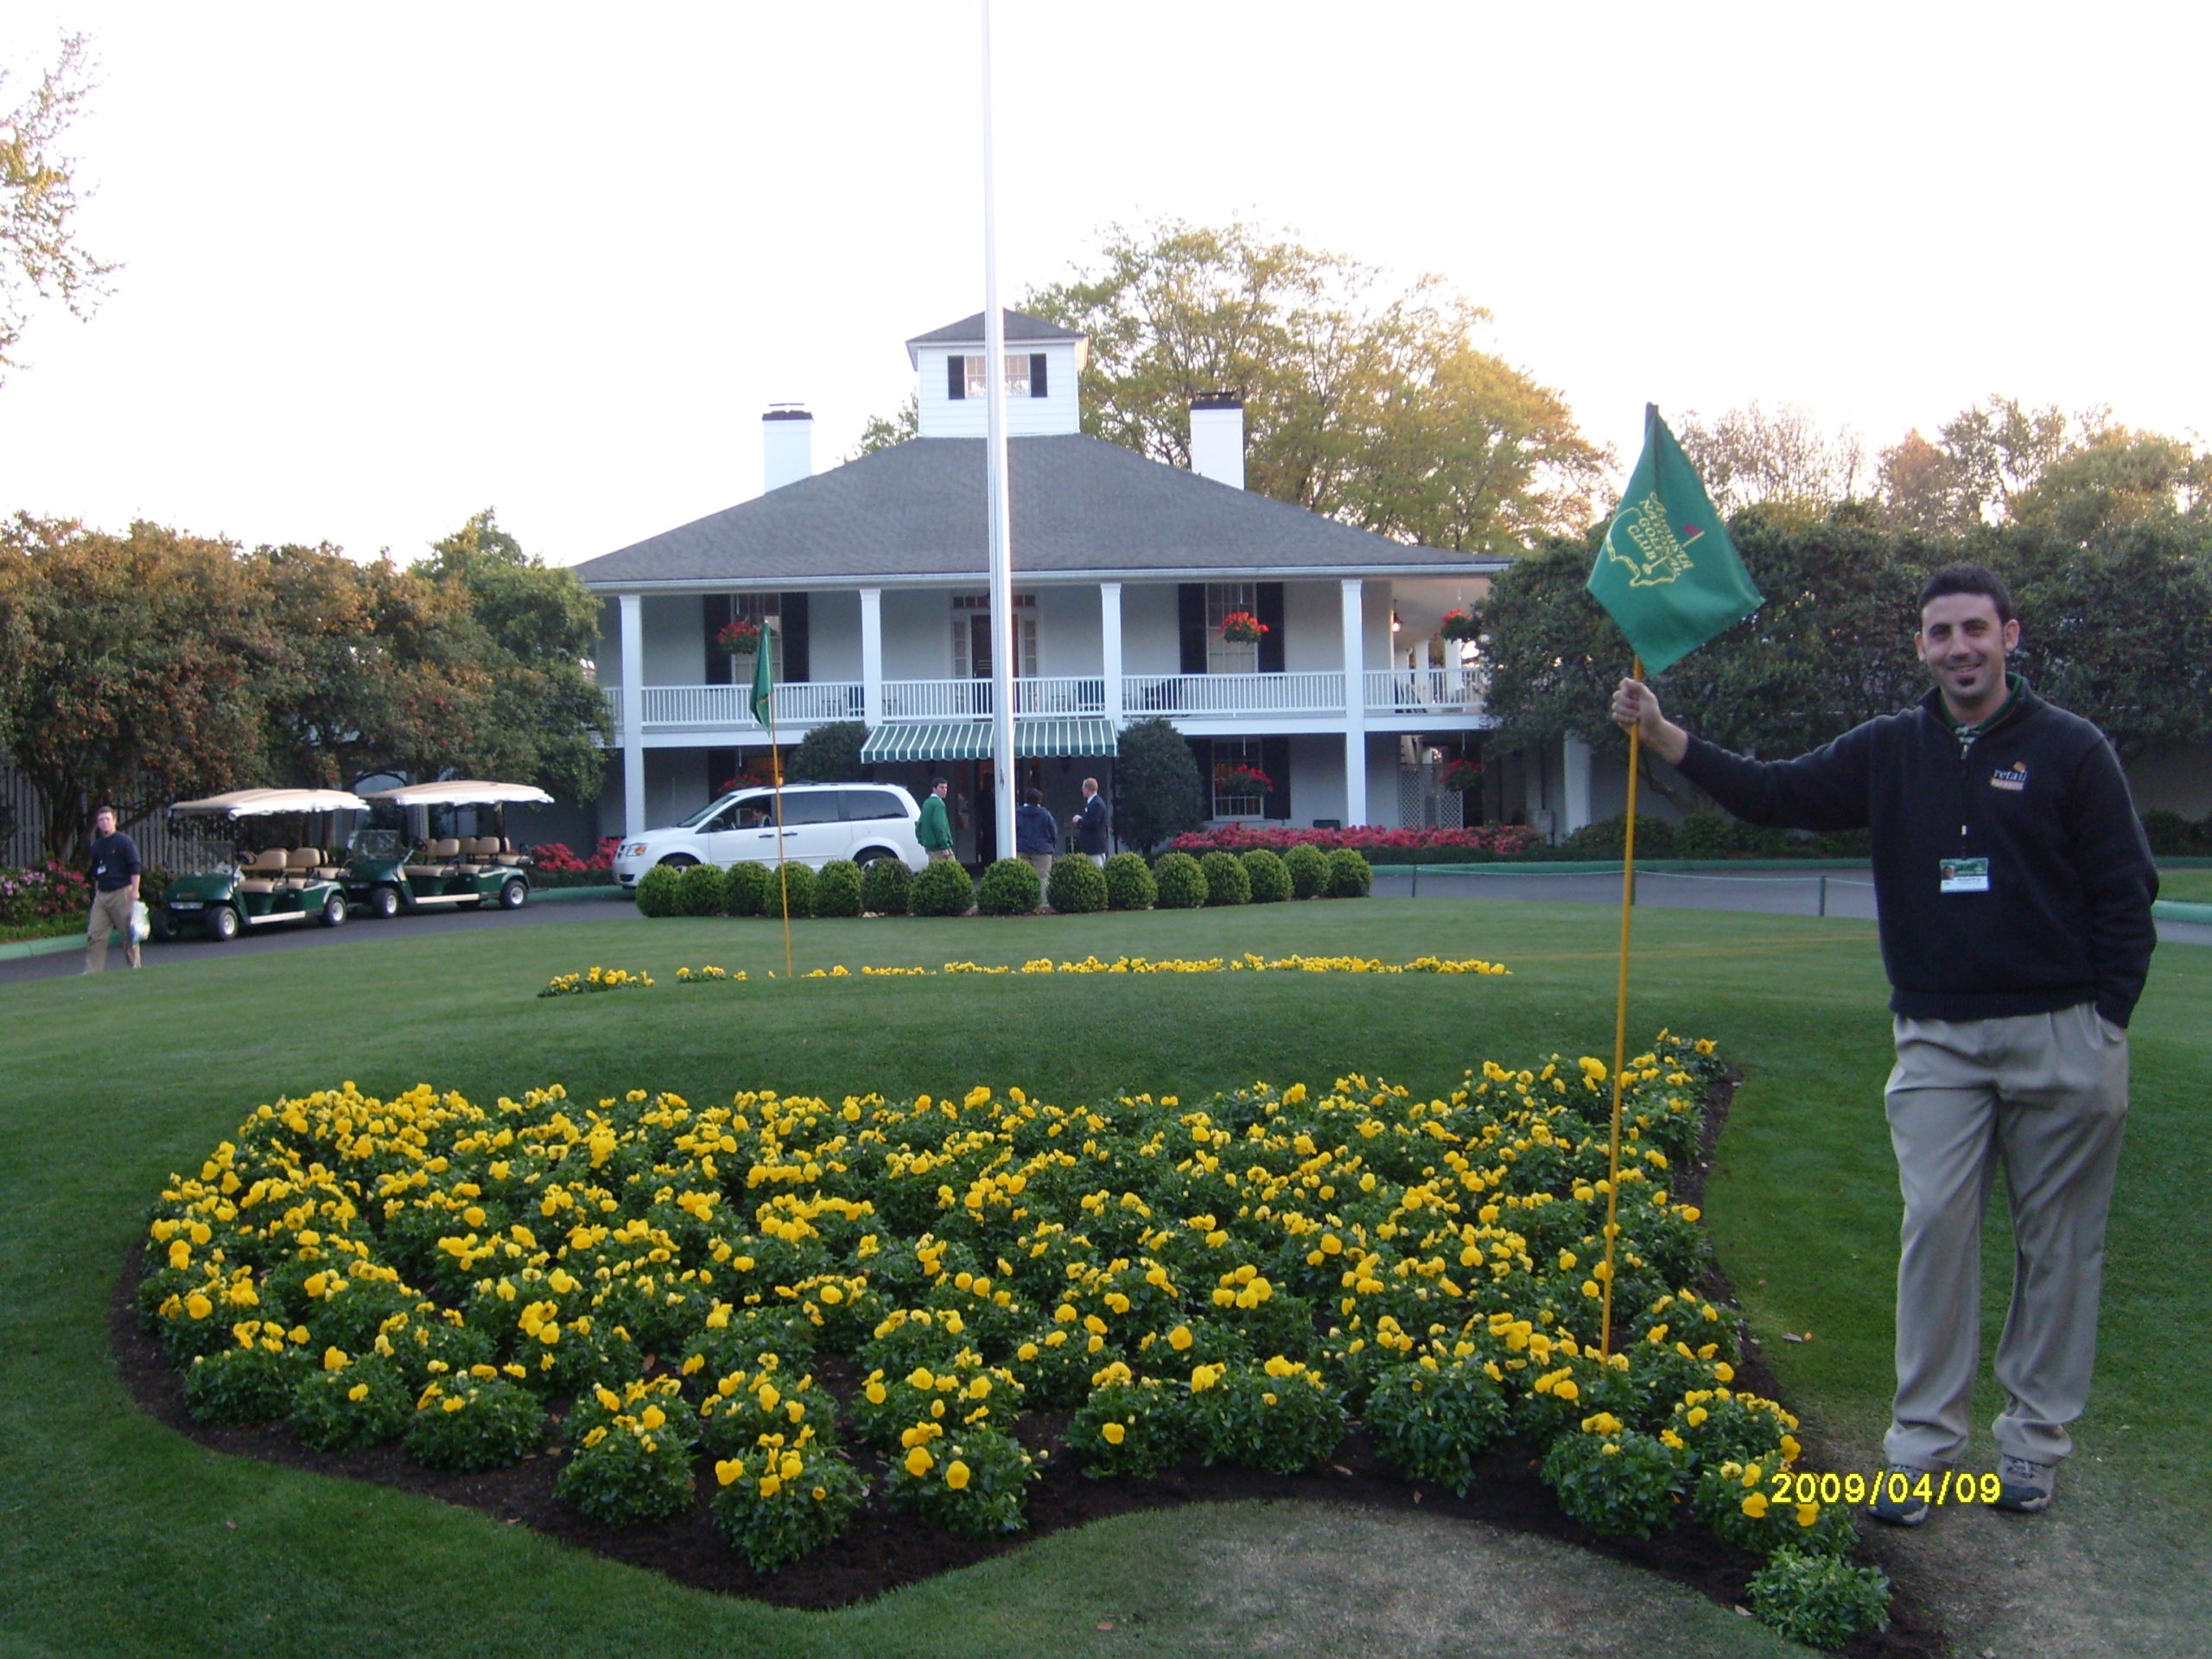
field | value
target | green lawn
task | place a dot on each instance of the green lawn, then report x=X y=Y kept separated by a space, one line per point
x=2191 y=886
x=125 y=1539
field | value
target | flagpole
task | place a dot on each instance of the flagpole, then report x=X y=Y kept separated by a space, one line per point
x=1620 y=1027
x=1006 y=632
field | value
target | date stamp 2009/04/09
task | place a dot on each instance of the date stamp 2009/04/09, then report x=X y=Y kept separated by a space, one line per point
x=1930 y=1486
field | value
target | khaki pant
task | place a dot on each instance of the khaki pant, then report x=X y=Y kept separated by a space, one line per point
x=2044 y=1096
x=1040 y=862
x=109 y=910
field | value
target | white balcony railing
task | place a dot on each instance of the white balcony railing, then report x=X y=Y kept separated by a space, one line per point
x=966 y=699
x=1321 y=693
x=1426 y=690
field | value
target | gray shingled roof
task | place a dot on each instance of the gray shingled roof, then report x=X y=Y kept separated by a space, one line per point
x=1081 y=507
x=969 y=331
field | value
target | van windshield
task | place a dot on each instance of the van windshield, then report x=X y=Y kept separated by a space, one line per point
x=706 y=813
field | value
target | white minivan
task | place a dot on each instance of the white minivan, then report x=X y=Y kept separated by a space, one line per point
x=821 y=822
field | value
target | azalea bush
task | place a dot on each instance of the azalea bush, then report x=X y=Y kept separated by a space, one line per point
x=715 y=1296
x=1381 y=846
x=47 y=893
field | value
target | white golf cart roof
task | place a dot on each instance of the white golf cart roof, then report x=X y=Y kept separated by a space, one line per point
x=254 y=803
x=462 y=792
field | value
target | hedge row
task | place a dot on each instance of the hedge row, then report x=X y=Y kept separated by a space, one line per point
x=1008 y=887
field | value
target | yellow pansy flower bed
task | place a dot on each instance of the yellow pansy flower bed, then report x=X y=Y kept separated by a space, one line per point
x=1233 y=1278
x=610 y=978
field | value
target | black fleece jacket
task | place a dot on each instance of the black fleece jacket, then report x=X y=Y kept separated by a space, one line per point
x=2038 y=793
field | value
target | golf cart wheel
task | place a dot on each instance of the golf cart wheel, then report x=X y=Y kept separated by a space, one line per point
x=222 y=923
x=333 y=910
x=513 y=895
x=158 y=916
x=383 y=903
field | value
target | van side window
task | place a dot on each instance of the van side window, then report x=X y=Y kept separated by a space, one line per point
x=872 y=803
x=815 y=806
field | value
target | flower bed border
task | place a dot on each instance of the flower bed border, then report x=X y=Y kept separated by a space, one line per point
x=880 y=1554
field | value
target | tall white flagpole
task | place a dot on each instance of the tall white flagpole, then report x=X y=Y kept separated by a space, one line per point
x=1004 y=635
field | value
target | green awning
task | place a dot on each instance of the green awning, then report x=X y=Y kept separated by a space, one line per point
x=970 y=740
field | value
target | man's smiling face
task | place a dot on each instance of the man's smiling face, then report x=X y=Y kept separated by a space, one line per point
x=1964 y=647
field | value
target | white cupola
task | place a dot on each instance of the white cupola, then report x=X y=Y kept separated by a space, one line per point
x=1042 y=362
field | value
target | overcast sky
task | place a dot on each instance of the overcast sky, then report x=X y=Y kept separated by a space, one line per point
x=384 y=267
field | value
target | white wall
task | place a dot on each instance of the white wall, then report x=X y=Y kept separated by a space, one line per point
x=1058 y=411
x=833 y=636
x=1151 y=642
x=1312 y=630
x=1070 y=637
x=676 y=639
x=917 y=634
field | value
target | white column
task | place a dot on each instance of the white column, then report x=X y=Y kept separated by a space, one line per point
x=1354 y=703
x=872 y=657
x=1575 y=784
x=1109 y=637
x=633 y=715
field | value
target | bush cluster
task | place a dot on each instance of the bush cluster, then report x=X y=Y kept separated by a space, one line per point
x=942 y=889
x=1009 y=887
x=1077 y=886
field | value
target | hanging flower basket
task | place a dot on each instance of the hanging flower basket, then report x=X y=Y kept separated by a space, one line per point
x=1464 y=774
x=1458 y=625
x=1245 y=780
x=1241 y=628
x=740 y=638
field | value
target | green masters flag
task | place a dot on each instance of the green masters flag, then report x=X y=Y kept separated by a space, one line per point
x=1668 y=572
x=764 y=678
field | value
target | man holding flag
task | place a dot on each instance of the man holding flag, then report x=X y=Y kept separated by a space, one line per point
x=2015 y=888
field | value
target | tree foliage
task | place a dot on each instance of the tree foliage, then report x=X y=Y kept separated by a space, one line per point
x=830 y=754
x=155 y=666
x=887 y=431
x=1157 y=793
x=2119 y=632
x=1366 y=403
x=1780 y=457
x=39 y=256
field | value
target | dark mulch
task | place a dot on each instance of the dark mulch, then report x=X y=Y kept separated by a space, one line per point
x=883 y=1548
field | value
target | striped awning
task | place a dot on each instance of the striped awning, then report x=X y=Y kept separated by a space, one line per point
x=970 y=740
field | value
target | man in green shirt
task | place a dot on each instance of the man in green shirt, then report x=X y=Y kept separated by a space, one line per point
x=935 y=830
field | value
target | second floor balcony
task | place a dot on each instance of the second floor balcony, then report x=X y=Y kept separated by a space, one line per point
x=1389 y=699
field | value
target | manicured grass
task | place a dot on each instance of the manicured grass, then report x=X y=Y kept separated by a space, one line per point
x=2191 y=886
x=127 y=1539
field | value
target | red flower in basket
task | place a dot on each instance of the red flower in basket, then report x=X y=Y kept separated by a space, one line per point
x=1464 y=774
x=1241 y=628
x=1245 y=780
x=1458 y=625
x=740 y=638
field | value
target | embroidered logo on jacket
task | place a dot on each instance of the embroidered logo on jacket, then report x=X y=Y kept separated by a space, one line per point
x=2012 y=777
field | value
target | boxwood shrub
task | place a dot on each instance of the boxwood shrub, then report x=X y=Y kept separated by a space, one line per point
x=1130 y=885
x=943 y=889
x=1077 y=886
x=801 y=881
x=745 y=888
x=657 y=890
x=837 y=888
x=884 y=885
x=1270 y=881
x=1226 y=882
x=1308 y=869
x=1181 y=882
x=1349 y=874
x=1009 y=887
x=699 y=891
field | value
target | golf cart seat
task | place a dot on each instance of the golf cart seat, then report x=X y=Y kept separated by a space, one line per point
x=437 y=856
x=264 y=872
x=477 y=852
x=503 y=852
x=301 y=864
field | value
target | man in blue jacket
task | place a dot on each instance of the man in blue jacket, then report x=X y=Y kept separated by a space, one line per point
x=2015 y=888
x=115 y=870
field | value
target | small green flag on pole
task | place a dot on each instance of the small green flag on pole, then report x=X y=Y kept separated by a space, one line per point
x=1667 y=572
x=764 y=678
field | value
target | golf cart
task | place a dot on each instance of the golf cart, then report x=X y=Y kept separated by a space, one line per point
x=392 y=871
x=281 y=881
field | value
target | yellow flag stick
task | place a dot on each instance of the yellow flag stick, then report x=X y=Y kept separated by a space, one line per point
x=1620 y=1027
x=783 y=880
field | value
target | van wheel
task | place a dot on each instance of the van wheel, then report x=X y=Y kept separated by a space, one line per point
x=679 y=860
x=877 y=856
x=514 y=895
x=383 y=903
x=333 y=910
x=222 y=923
